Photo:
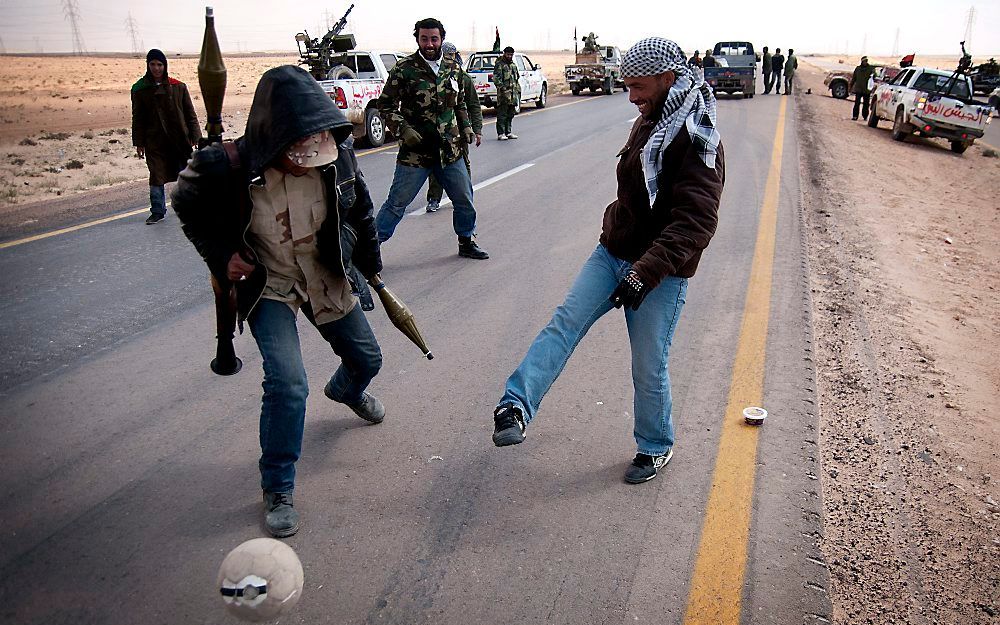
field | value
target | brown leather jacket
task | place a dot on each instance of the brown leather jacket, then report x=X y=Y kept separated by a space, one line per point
x=667 y=239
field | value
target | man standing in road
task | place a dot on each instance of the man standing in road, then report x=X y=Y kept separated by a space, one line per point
x=709 y=60
x=670 y=178
x=695 y=61
x=791 y=65
x=164 y=129
x=859 y=87
x=434 y=189
x=275 y=213
x=765 y=67
x=508 y=84
x=777 y=66
x=423 y=103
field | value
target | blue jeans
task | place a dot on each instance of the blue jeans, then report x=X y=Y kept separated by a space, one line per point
x=650 y=331
x=157 y=200
x=283 y=407
x=406 y=183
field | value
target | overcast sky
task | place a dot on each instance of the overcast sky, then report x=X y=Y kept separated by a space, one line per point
x=851 y=26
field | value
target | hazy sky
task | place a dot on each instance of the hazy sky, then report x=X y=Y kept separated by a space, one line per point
x=852 y=26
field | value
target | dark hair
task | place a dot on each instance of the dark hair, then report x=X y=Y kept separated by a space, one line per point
x=428 y=23
x=508 y=49
x=790 y=51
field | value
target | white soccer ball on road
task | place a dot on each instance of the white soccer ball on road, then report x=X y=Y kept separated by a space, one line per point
x=261 y=579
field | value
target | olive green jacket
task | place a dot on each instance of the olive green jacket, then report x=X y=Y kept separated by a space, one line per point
x=507 y=81
x=433 y=106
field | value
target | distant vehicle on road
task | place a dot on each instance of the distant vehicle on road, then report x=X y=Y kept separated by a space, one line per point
x=735 y=70
x=838 y=81
x=355 y=81
x=931 y=102
x=534 y=85
x=995 y=100
x=596 y=70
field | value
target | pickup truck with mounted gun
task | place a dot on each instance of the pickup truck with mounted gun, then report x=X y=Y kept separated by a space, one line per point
x=933 y=103
x=600 y=69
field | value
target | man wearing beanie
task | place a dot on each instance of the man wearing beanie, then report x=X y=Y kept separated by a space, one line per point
x=670 y=172
x=164 y=129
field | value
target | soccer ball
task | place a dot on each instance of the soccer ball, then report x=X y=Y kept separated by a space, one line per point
x=261 y=579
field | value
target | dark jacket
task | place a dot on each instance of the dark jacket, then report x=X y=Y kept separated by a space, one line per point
x=765 y=65
x=777 y=63
x=213 y=201
x=859 y=79
x=165 y=125
x=668 y=239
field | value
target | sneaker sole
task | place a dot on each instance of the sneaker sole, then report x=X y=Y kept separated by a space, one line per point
x=503 y=439
x=284 y=533
x=646 y=479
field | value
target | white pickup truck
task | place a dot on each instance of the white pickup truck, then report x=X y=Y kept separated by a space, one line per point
x=534 y=85
x=355 y=82
x=932 y=102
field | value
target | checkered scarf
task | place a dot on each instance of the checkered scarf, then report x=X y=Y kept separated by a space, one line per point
x=690 y=102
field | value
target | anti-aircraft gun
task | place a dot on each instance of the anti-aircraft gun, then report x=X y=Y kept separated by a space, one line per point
x=318 y=54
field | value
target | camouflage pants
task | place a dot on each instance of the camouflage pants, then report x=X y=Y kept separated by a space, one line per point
x=505 y=114
x=434 y=190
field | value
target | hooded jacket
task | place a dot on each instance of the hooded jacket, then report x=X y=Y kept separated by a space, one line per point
x=213 y=200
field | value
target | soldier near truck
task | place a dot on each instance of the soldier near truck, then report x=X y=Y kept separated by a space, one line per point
x=508 y=83
x=860 y=88
x=765 y=66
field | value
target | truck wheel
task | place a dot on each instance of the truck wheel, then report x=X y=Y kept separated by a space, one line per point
x=374 y=128
x=839 y=90
x=540 y=102
x=575 y=90
x=609 y=86
x=959 y=147
x=873 y=118
x=341 y=72
x=900 y=129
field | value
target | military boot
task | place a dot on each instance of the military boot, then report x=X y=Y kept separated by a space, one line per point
x=280 y=517
x=467 y=247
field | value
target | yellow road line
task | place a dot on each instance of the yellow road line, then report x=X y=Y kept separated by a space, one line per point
x=104 y=220
x=717 y=582
x=53 y=233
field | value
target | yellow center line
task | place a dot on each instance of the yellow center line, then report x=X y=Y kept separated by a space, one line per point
x=717 y=582
x=104 y=220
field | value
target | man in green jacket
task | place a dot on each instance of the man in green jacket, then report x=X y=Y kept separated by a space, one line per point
x=508 y=83
x=765 y=67
x=859 y=87
x=791 y=64
x=434 y=190
x=423 y=103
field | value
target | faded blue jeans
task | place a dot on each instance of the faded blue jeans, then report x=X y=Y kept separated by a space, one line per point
x=406 y=184
x=157 y=200
x=283 y=407
x=650 y=331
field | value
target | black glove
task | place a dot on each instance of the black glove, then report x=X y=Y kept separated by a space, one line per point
x=630 y=292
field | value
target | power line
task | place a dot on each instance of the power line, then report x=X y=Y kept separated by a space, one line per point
x=72 y=12
x=895 y=44
x=132 y=27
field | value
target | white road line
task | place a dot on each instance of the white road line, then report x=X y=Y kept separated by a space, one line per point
x=481 y=185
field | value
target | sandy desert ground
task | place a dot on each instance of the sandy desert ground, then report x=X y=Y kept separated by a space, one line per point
x=903 y=241
x=65 y=121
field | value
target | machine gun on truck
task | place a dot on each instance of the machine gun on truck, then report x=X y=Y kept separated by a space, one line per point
x=318 y=54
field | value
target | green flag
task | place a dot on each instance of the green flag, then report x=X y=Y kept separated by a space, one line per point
x=496 y=42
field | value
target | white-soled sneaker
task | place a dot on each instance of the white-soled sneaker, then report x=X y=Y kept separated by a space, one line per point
x=644 y=467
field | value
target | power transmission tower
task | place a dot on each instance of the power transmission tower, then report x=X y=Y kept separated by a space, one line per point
x=38 y=46
x=474 y=47
x=133 y=32
x=895 y=44
x=72 y=12
x=326 y=18
x=3 y=48
x=968 y=27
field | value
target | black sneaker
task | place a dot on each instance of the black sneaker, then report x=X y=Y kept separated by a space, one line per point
x=509 y=426
x=644 y=467
x=467 y=247
x=154 y=219
x=280 y=517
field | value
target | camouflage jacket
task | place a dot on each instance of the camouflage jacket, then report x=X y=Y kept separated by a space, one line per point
x=434 y=106
x=507 y=81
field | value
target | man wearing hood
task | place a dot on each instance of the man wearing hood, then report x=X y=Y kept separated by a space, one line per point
x=670 y=178
x=284 y=214
x=423 y=103
x=164 y=129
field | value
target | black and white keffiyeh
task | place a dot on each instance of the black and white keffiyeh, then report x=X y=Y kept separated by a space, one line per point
x=690 y=102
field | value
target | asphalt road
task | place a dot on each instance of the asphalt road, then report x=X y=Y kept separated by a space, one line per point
x=129 y=470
